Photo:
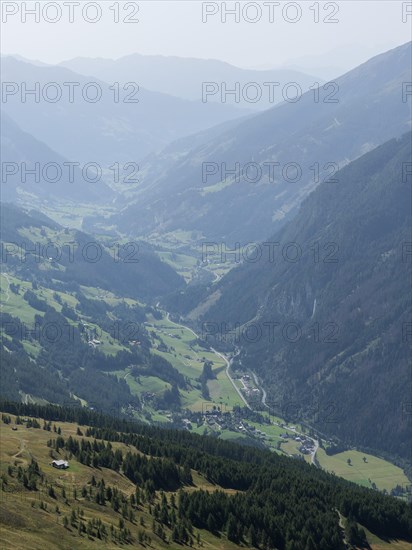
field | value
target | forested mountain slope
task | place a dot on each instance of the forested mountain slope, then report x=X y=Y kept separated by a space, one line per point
x=330 y=309
x=70 y=313
x=44 y=251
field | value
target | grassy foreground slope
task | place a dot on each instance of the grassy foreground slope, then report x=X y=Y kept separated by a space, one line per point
x=134 y=485
x=35 y=519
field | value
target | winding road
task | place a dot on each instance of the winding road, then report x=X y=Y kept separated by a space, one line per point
x=227 y=371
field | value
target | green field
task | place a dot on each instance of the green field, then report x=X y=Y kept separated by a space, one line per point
x=15 y=305
x=69 y=215
x=182 y=263
x=184 y=249
x=178 y=346
x=188 y=357
x=143 y=383
x=232 y=436
x=376 y=470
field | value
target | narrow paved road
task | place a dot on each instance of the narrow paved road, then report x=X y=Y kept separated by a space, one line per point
x=228 y=363
x=179 y=325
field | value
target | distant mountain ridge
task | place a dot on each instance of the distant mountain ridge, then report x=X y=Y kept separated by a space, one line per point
x=95 y=121
x=185 y=78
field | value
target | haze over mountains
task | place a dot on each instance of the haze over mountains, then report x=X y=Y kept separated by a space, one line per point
x=309 y=140
x=333 y=63
x=21 y=153
x=121 y=125
x=206 y=275
x=291 y=147
x=187 y=78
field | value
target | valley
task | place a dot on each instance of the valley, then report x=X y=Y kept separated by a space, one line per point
x=216 y=404
x=221 y=410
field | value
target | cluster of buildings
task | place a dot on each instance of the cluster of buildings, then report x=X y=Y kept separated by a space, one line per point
x=252 y=431
x=248 y=388
x=218 y=420
x=306 y=445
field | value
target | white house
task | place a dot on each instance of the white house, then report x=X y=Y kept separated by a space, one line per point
x=60 y=464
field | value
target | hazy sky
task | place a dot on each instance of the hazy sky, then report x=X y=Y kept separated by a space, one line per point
x=169 y=27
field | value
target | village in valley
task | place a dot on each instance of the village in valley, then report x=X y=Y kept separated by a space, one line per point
x=250 y=427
